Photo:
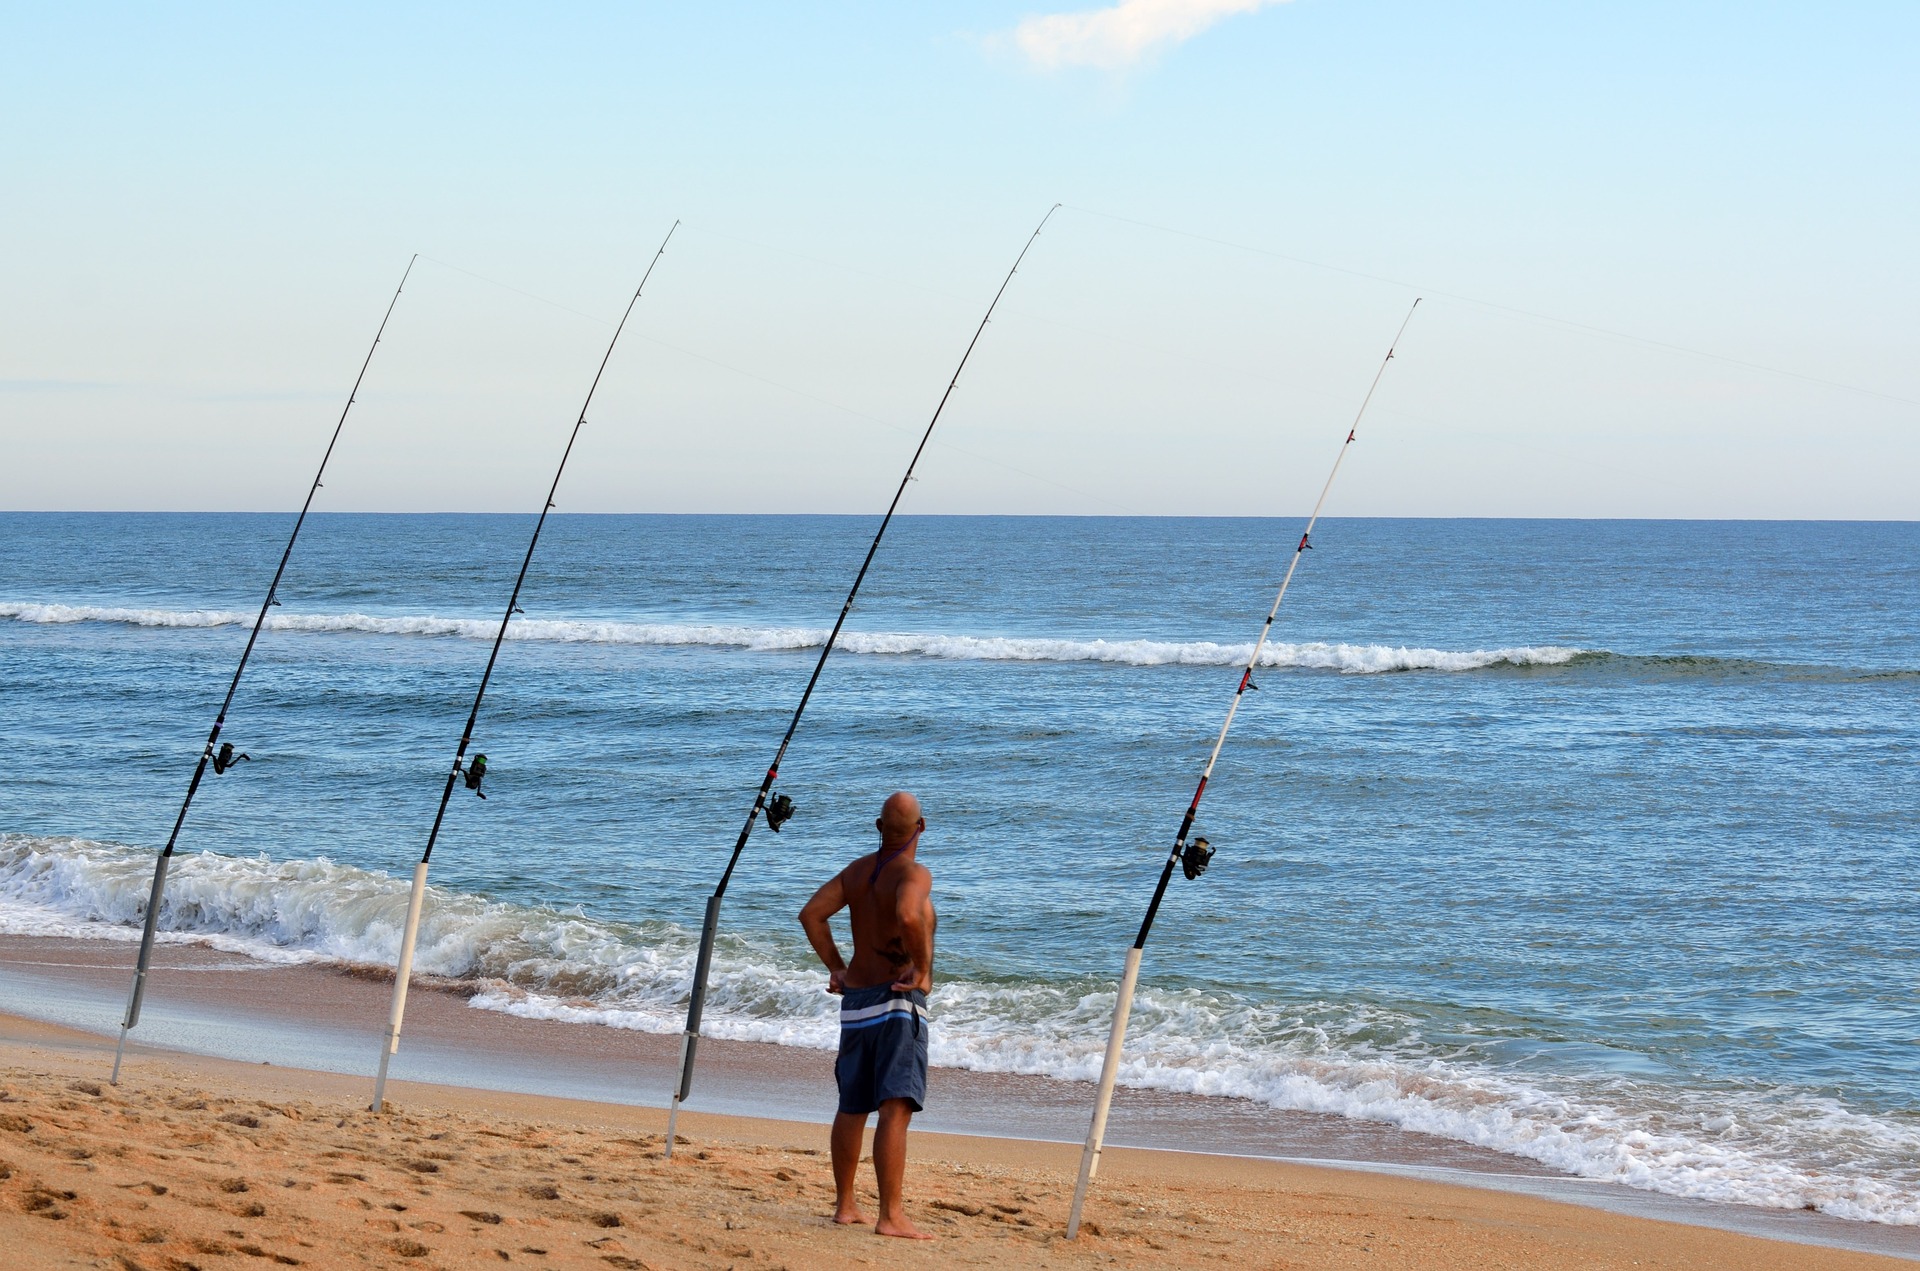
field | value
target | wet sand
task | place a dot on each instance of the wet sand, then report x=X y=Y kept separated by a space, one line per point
x=196 y=1162
x=757 y=1196
x=209 y=1002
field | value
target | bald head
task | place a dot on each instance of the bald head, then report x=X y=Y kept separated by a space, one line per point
x=899 y=819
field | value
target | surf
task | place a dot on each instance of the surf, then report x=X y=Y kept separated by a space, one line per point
x=1377 y=1061
x=1347 y=658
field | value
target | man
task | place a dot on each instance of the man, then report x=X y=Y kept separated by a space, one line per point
x=883 y=1016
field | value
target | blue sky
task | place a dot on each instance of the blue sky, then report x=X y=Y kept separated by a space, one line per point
x=207 y=207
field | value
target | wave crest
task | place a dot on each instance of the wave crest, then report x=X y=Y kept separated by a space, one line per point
x=1350 y=659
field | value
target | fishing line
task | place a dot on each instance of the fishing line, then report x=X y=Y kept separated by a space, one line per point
x=1195 y=854
x=473 y=772
x=1582 y=327
x=832 y=264
x=225 y=756
x=507 y=286
x=777 y=807
x=801 y=392
x=1099 y=337
x=901 y=428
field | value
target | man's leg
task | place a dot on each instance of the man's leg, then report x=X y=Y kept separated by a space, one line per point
x=890 y=1165
x=848 y=1131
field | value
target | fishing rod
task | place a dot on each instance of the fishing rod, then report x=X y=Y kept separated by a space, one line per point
x=474 y=773
x=1194 y=856
x=779 y=808
x=226 y=757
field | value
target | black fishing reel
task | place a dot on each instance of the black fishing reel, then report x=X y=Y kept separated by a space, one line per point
x=1197 y=856
x=225 y=758
x=475 y=773
x=779 y=812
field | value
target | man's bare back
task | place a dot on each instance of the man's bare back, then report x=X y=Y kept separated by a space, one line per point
x=880 y=892
x=883 y=1045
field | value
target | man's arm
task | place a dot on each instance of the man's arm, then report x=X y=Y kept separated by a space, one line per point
x=826 y=902
x=916 y=916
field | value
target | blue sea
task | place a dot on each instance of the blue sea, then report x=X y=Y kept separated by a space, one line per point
x=1591 y=842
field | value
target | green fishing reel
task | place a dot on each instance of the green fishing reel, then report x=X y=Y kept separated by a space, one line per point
x=476 y=772
x=1196 y=857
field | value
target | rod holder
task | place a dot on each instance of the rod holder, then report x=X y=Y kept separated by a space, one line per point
x=402 y=974
x=1109 y=1073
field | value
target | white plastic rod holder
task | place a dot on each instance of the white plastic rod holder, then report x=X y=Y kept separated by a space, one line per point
x=402 y=974
x=1109 y=1073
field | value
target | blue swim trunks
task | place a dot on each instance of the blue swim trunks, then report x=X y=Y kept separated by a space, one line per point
x=883 y=1048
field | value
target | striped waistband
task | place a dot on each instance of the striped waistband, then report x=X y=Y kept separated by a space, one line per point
x=880 y=1012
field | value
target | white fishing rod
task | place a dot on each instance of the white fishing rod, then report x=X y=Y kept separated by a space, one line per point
x=476 y=771
x=225 y=757
x=1193 y=857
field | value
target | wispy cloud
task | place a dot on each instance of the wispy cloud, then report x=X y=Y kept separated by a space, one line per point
x=1117 y=37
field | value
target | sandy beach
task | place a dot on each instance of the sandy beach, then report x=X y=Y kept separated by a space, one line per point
x=1319 y=593
x=199 y=1162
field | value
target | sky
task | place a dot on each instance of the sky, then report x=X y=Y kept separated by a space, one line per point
x=1665 y=254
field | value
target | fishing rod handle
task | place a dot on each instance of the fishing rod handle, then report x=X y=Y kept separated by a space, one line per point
x=1166 y=870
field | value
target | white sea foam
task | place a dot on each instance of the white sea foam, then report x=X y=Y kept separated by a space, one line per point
x=1770 y=1147
x=1352 y=659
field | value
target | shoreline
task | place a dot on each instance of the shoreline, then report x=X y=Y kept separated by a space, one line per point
x=326 y=1020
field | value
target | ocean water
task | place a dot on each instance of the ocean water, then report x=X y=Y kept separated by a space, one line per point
x=1590 y=842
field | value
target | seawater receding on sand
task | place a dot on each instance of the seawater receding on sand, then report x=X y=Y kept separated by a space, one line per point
x=1593 y=1116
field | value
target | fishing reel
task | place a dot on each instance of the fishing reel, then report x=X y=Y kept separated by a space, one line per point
x=225 y=758
x=779 y=812
x=1197 y=856
x=474 y=773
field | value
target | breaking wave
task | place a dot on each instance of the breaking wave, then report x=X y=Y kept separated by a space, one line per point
x=1352 y=659
x=1772 y=1147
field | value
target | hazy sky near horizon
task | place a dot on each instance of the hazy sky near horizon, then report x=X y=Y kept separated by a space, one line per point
x=1667 y=253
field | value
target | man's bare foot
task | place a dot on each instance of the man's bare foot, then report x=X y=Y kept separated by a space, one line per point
x=850 y=1216
x=900 y=1227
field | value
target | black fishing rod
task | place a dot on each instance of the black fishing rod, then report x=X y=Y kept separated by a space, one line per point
x=474 y=773
x=226 y=757
x=1193 y=856
x=779 y=808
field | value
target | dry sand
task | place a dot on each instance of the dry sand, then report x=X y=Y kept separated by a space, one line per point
x=205 y=1163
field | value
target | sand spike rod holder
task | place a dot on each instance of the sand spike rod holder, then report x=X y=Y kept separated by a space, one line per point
x=781 y=806
x=403 y=970
x=1130 y=974
x=221 y=760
